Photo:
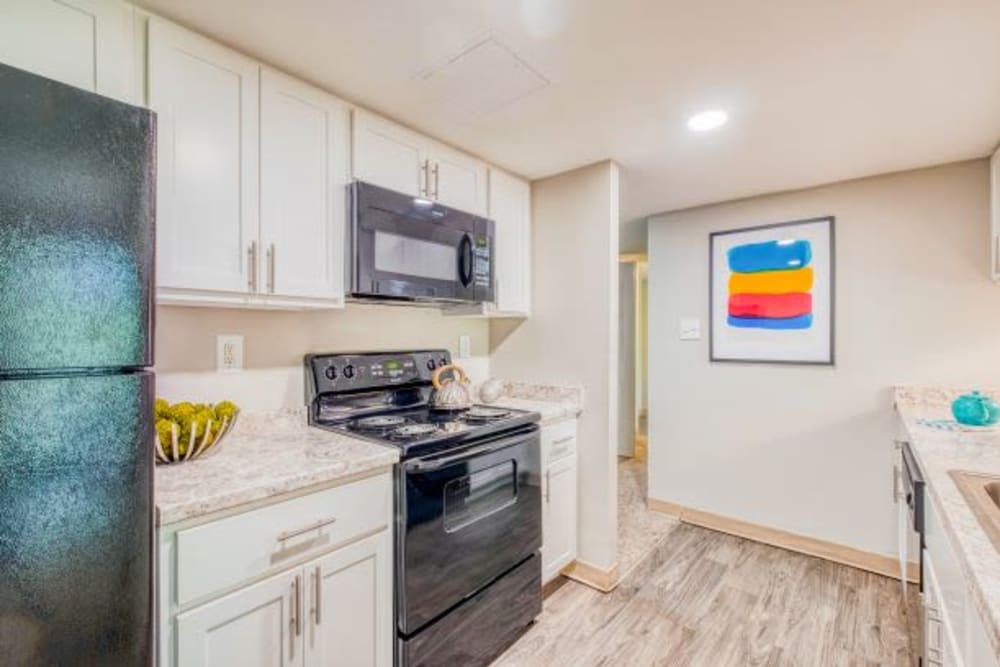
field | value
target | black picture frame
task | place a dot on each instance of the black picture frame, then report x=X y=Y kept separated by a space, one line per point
x=831 y=220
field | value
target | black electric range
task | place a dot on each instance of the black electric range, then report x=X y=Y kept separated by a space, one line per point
x=467 y=500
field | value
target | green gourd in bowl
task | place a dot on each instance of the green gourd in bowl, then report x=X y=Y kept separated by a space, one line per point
x=975 y=409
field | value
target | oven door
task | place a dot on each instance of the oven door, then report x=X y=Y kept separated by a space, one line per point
x=464 y=519
x=413 y=248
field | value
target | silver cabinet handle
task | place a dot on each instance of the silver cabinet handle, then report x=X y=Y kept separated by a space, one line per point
x=437 y=194
x=425 y=179
x=548 y=485
x=897 y=493
x=270 y=268
x=318 y=601
x=562 y=440
x=289 y=534
x=293 y=617
x=298 y=605
x=252 y=268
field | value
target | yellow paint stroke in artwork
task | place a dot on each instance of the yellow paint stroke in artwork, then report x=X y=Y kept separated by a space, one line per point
x=771 y=282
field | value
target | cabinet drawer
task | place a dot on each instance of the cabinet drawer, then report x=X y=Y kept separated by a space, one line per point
x=559 y=440
x=223 y=553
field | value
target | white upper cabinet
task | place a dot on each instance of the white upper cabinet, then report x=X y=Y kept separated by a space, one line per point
x=206 y=97
x=510 y=209
x=304 y=171
x=456 y=179
x=83 y=43
x=394 y=157
x=388 y=155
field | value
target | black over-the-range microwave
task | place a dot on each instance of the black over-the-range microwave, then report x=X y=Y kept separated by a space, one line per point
x=414 y=249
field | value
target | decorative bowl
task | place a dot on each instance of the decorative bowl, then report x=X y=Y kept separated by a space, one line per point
x=196 y=446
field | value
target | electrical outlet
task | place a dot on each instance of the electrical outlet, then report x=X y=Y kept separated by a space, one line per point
x=229 y=353
x=464 y=347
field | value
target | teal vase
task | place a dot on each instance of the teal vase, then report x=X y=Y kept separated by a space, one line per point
x=975 y=409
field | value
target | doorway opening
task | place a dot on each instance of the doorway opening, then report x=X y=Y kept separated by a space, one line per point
x=640 y=530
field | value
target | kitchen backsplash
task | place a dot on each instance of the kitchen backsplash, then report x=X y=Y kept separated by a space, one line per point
x=186 y=337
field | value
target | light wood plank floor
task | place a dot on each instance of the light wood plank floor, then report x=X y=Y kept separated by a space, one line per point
x=706 y=599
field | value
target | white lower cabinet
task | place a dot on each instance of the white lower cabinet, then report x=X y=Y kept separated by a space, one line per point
x=253 y=627
x=953 y=630
x=309 y=583
x=349 y=617
x=559 y=498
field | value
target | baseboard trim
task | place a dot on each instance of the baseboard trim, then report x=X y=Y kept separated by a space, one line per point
x=593 y=576
x=886 y=566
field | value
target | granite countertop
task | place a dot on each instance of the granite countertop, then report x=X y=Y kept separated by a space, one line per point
x=553 y=402
x=938 y=451
x=266 y=454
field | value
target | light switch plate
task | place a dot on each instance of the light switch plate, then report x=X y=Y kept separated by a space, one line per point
x=690 y=328
x=229 y=353
x=464 y=347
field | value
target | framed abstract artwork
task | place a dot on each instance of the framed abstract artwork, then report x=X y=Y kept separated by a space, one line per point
x=771 y=293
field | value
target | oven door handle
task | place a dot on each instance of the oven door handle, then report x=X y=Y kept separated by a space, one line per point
x=427 y=465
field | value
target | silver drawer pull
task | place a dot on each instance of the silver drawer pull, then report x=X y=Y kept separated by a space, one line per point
x=289 y=534
x=562 y=440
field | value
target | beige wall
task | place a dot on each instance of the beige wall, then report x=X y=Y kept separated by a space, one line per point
x=571 y=337
x=185 y=337
x=808 y=449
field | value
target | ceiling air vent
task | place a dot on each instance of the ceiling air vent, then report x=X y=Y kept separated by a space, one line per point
x=481 y=79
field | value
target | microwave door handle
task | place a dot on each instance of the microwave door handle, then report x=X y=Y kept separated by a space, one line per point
x=465 y=260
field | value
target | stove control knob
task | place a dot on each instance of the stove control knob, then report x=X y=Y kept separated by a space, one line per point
x=331 y=372
x=443 y=362
x=431 y=365
x=348 y=371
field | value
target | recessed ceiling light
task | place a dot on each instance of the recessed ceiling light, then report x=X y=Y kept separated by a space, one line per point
x=707 y=120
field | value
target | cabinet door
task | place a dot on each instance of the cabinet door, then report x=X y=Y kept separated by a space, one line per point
x=559 y=517
x=510 y=209
x=350 y=606
x=206 y=97
x=84 y=43
x=304 y=160
x=257 y=626
x=457 y=180
x=388 y=155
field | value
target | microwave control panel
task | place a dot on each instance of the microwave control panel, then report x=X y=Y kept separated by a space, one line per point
x=481 y=270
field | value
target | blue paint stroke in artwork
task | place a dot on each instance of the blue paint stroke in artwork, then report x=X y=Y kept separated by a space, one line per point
x=769 y=256
x=800 y=322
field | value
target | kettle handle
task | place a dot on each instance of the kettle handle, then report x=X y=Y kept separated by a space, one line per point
x=457 y=370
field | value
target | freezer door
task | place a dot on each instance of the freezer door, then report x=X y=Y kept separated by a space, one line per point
x=76 y=227
x=76 y=522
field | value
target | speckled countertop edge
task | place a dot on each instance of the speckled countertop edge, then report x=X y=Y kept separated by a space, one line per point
x=553 y=402
x=937 y=452
x=265 y=455
x=275 y=453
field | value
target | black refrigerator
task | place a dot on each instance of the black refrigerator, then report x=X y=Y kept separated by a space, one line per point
x=77 y=204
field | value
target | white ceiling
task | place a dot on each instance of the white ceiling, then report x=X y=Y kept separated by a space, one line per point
x=817 y=90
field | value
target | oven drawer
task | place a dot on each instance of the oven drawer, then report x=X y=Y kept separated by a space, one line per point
x=217 y=555
x=559 y=440
x=478 y=630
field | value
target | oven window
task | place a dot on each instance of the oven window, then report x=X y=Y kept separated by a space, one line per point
x=406 y=255
x=473 y=497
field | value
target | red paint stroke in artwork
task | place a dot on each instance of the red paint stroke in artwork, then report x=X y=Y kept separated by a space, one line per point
x=770 y=305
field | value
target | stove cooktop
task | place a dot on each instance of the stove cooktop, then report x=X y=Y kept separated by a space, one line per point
x=419 y=431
